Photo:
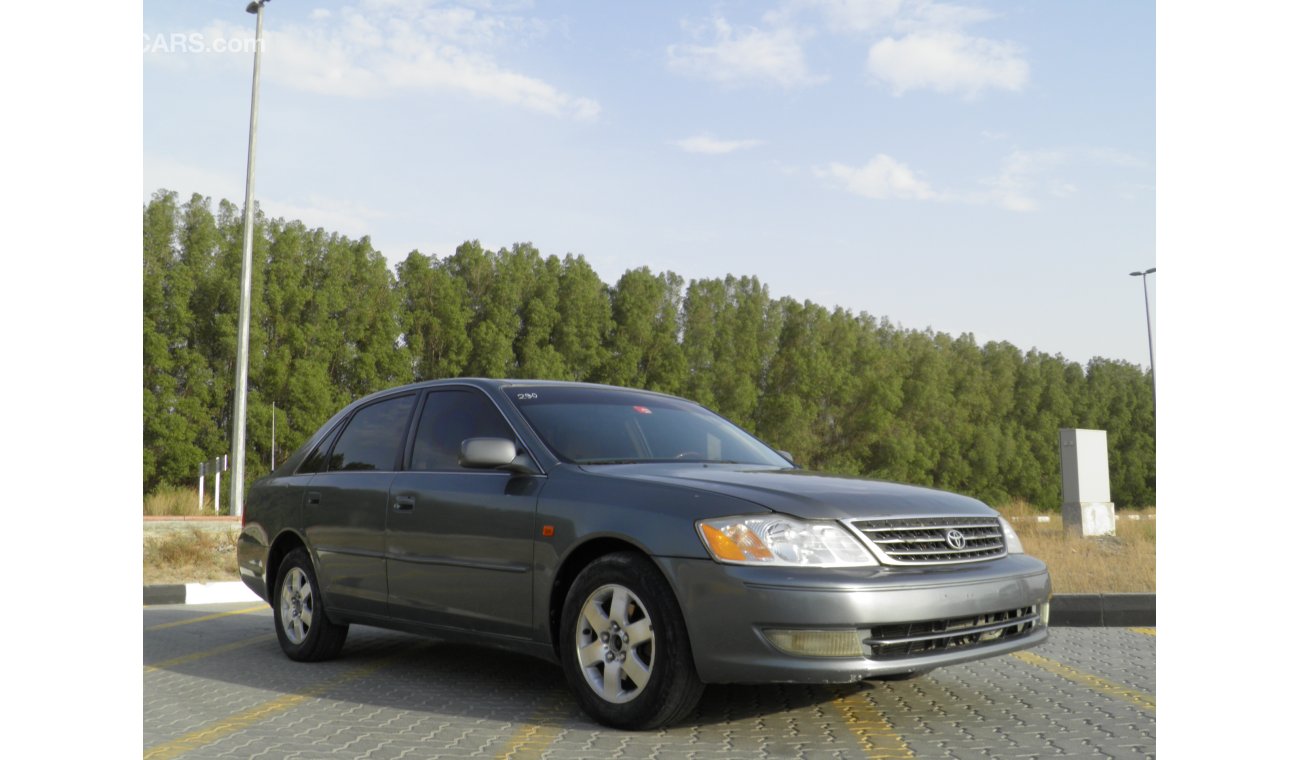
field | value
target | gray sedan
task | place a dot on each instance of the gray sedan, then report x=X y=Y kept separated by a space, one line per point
x=643 y=543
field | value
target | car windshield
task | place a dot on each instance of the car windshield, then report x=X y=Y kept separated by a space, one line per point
x=610 y=426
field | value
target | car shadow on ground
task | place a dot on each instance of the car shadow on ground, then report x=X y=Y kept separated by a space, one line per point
x=426 y=675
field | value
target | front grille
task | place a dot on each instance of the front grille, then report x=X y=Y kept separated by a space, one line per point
x=891 y=642
x=926 y=540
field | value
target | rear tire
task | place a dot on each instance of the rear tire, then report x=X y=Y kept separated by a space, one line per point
x=306 y=633
x=624 y=646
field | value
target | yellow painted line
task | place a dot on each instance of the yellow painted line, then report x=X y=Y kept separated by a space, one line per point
x=530 y=741
x=220 y=729
x=206 y=618
x=207 y=653
x=1110 y=688
x=1147 y=631
x=533 y=738
x=875 y=733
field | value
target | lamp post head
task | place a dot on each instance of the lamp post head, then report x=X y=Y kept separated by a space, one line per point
x=256 y=5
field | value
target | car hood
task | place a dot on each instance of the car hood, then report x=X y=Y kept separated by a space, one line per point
x=801 y=493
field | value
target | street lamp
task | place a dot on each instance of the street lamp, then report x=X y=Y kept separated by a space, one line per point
x=1150 y=346
x=245 y=287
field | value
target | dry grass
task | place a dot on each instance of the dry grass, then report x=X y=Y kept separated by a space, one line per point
x=177 y=502
x=190 y=556
x=1125 y=562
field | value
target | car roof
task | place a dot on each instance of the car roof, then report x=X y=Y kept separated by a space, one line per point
x=492 y=383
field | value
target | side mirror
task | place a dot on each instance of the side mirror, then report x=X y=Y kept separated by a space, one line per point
x=788 y=456
x=494 y=453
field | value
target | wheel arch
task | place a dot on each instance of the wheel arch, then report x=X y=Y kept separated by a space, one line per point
x=287 y=541
x=574 y=562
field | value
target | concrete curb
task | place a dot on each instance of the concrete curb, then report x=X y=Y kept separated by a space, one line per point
x=199 y=593
x=1104 y=609
x=1067 y=609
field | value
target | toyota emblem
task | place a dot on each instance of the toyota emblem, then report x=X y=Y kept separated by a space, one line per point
x=956 y=539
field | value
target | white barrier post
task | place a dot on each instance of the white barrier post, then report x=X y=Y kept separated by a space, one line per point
x=203 y=469
x=216 y=489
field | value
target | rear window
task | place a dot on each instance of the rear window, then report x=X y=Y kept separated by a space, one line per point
x=374 y=437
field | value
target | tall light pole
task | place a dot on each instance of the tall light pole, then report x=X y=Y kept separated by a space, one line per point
x=245 y=287
x=1150 y=346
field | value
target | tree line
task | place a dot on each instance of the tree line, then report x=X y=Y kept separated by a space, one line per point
x=843 y=392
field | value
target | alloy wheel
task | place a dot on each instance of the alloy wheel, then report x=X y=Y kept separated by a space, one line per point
x=615 y=641
x=297 y=605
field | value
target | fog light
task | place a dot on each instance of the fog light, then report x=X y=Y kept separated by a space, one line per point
x=1045 y=611
x=816 y=643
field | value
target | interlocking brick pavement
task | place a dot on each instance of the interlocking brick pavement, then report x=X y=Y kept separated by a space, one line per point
x=396 y=696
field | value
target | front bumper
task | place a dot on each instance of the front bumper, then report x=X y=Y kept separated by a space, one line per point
x=728 y=608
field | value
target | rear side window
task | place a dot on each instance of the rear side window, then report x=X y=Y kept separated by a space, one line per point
x=315 y=462
x=374 y=436
x=448 y=418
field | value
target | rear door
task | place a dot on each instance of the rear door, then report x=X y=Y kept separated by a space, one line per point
x=345 y=505
x=459 y=540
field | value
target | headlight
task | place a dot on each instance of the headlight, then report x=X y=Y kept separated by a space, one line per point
x=1013 y=541
x=782 y=541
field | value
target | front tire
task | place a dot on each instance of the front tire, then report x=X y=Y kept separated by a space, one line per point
x=624 y=647
x=306 y=633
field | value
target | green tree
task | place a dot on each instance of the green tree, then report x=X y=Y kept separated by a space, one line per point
x=538 y=313
x=434 y=313
x=643 y=345
x=585 y=320
x=161 y=435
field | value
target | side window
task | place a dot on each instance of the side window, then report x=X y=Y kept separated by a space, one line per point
x=315 y=461
x=373 y=438
x=450 y=417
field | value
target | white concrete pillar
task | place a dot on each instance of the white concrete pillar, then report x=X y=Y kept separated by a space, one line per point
x=1086 y=508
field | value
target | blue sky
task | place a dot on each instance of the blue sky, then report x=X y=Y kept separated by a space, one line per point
x=970 y=167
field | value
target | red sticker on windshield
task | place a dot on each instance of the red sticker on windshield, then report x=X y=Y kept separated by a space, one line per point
x=641 y=410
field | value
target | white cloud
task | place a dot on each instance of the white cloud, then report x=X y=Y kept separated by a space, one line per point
x=706 y=143
x=882 y=178
x=335 y=215
x=947 y=62
x=913 y=45
x=386 y=47
x=1113 y=157
x=1024 y=179
x=747 y=55
x=1026 y=176
x=840 y=15
x=926 y=15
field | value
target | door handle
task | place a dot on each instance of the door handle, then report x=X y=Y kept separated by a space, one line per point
x=313 y=497
x=404 y=503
